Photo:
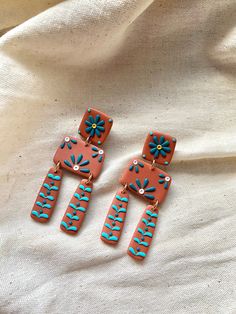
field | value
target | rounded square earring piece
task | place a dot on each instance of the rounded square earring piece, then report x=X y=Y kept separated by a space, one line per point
x=159 y=146
x=150 y=183
x=95 y=125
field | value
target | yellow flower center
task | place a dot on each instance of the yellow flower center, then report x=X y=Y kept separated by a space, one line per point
x=94 y=125
x=159 y=147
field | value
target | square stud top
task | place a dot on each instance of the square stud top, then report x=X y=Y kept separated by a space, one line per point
x=159 y=146
x=95 y=125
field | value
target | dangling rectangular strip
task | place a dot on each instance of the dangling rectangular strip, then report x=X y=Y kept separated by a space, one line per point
x=76 y=210
x=142 y=237
x=115 y=218
x=47 y=196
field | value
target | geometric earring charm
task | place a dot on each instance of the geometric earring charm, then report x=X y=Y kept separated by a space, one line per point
x=147 y=181
x=81 y=156
x=47 y=196
x=85 y=158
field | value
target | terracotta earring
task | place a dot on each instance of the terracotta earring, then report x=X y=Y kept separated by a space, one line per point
x=82 y=157
x=146 y=180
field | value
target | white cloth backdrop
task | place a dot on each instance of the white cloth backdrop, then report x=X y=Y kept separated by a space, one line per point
x=162 y=65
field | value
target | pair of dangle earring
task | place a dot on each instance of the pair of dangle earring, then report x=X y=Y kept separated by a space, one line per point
x=151 y=183
x=82 y=157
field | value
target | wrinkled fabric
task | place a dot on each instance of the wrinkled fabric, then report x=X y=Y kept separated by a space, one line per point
x=151 y=65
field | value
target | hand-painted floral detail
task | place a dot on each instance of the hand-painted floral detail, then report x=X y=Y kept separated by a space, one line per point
x=68 y=141
x=141 y=242
x=145 y=233
x=148 y=223
x=116 y=228
x=77 y=163
x=135 y=165
x=54 y=177
x=50 y=188
x=151 y=214
x=68 y=227
x=40 y=214
x=138 y=253
x=81 y=197
x=122 y=199
x=43 y=205
x=79 y=208
x=98 y=152
x=142 y=188
x=109 y=236
x=164 y=180
x=111 y=217
x=83 y=188
x=95 y=126
x=72 y=217
x=50 y=198
x=160 y=146
x=118 y=210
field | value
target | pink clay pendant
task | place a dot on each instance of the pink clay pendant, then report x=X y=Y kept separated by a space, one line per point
x=76 y=210
x=47 y=196
x=115 y=218
x=143 y=235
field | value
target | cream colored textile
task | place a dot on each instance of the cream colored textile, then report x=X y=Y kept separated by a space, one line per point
x=151 y=65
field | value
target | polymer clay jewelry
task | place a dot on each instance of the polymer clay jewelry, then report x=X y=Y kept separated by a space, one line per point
x=82 y=157
x=147 y=181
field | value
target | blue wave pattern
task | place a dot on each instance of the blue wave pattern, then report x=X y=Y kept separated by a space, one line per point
x=46 y=197
x=74 y=217
x=145 y=229
x=115 y=218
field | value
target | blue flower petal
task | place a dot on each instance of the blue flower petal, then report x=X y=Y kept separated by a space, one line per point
x=79 y=158
x=166 y=149
x=67 y=163
x=163 y=153
x=150 y=197
x=145 y=182
x=162 y=139
x=152 y=145
x=100 y=123
x=100 y=128
x=85 y=170
x=92 y=133
x=156 y=153
x=133 y=187
x=97 y=132
x=84 y=163
x=138 y=183
x=151 y=189
x=155 y=139
x=166 y=143
x=72 y=157
x=97 y=118
x=91 y=119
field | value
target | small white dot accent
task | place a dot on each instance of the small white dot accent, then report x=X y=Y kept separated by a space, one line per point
x=67 y=139
x=101 y=152
x=141 y=191
x=135 y=162
x=167 y=179
x=76 y=167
